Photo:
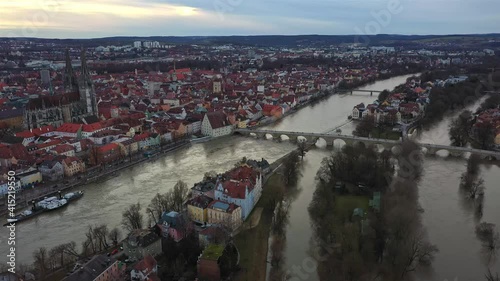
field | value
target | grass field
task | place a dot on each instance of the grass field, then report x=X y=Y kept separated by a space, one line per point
x=385 y=134
x=345 y=205
x=253 y=243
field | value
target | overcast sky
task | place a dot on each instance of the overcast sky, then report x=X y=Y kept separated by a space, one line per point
x=100 y=18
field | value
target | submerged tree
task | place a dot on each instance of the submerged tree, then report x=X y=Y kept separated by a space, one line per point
x=490 y=277
x=291 y=171
x=365 y=127
x=459 y=129
x=302 y=148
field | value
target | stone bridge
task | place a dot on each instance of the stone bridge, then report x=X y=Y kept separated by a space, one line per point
x=331 y=139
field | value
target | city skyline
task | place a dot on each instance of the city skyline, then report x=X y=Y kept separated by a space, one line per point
x=104 y=18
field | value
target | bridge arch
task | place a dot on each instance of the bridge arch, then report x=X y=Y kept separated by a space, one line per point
x=268 y=136
x=339 y=143
x=378 y=147
x=490 y=157
x=284 y=137
x=321 y=142
x=301 y=139
x=444 y=153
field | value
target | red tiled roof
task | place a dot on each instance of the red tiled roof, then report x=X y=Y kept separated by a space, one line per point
x=25 y=134
x=146 y=265
x=63 y=148
x=19 y=151
x=91 y=127
x=5 y=153
x=43 y=130
x=70 y=160
x=217 y=119
x=69 y=128
x=109 y=147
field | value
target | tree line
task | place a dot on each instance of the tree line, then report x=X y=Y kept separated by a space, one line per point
x=391 y=243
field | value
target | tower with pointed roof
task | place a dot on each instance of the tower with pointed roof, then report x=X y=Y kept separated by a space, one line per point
x=86 y=87
x=76 y=103
x=70 y=81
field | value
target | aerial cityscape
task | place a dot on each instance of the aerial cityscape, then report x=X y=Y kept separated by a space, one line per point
x=249 y=140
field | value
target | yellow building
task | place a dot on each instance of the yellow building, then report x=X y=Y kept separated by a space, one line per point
x=197 y=208
x=127 y=146
x=226 y=214
x=30 y=178
x=242 y=124
x=73 y=166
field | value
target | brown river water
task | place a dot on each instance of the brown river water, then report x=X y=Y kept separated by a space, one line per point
x=449 y=222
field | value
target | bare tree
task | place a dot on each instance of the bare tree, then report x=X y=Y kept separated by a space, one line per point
x=485 y=135
x=489 y=238
x=159 y=204
x=469 y=180
x=70 y=250
x=101 y=233
x=302 y=148
x=459 y=129
x=365 y=127
x=477 y=188
x=90 y=241
x=41 y=261
x=180 y=195
x=133 y=218
x=114 y=235
x=291 y=170
x=417 y=252
x=280 y=218
x=490 y=277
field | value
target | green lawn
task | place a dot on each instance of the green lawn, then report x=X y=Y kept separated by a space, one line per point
x=345 y=205
x=252 y=243
x=380 y=133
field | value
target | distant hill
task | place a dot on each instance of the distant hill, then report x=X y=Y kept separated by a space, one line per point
x=292 y=40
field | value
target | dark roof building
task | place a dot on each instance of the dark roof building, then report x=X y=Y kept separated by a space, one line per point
x=98 y=268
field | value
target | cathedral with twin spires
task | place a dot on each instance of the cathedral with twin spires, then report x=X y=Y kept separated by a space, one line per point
x=76 y=103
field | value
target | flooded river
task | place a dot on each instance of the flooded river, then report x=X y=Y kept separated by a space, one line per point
x=449 y=222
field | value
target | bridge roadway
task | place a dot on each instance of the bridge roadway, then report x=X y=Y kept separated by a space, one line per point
x=387 y=144
x=353 y=90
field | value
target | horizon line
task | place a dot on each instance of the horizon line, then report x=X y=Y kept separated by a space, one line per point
x=253 y=35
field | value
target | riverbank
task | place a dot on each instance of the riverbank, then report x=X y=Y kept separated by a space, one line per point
x=326 y=94
x=38 y=193
x=253 y=243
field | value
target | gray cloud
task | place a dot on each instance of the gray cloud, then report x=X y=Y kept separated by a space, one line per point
x=245 y=17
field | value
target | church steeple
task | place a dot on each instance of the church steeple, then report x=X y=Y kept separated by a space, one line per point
x=85 y=75
x=70 y=81
x=87 y=91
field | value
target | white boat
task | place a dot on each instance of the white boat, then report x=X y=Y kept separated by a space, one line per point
x=73 y=195
x=56 y=204
x=52 y=203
